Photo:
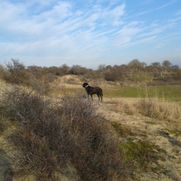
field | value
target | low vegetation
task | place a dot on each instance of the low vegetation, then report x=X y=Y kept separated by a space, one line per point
x=134 y=73
x=140 y=153
x=55 y=131
x=154 y=108
x=1 y=125
x=52 y=136
x=121 y=130
x=137 y=153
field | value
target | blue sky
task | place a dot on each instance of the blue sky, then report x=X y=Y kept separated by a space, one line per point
x=90 y=32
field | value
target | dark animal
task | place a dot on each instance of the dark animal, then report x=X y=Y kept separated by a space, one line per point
x=93 y=90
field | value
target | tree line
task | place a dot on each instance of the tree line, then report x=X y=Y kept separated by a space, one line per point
x=135 y=71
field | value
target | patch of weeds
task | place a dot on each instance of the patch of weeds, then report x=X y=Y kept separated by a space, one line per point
x=175 y=132
x=152 y=121
x=140 y=153
x=2 y=124
x=122 y=107
x=148 y=108
x=154 y=109
x=127 y=109
x=120 y=130
x=1 y=128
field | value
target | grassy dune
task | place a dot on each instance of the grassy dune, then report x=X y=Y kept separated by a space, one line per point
x=147 y=130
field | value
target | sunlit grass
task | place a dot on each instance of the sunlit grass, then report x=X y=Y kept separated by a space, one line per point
x=170 y=92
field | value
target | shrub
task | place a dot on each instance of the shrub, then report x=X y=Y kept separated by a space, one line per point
x=38 y=127
x=16 y=73
x=94 y=149
x=2 y=72
x=37 y=78
x=52 y=136
x=42 y=84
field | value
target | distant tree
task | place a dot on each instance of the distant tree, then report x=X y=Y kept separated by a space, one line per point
x=78 y=70
x=135 y=63
x=175 y=67
x=16 y=72
x=156 y=64
x=15 y=66
x=166 y=64
x=108 y=67
x=101 y=67
x=65 y=68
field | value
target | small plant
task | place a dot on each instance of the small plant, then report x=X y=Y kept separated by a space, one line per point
x=139 y=153
x=148 y=108
x=1 y=127
x=3 y=123
x=128 y=109
x=121 y=130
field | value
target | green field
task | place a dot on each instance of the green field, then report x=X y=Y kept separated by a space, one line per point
x=169 y=92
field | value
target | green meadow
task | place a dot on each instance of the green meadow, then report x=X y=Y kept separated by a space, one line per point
x=169 y=92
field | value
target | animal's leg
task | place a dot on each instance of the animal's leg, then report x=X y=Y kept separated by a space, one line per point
x=101 y=98
x=91 y=97
x=88 y=96
x=98 y=97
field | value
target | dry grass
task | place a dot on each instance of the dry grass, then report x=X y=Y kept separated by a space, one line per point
x=51 y=137
x=121 y=130
x=144 y=147
x=162 y=110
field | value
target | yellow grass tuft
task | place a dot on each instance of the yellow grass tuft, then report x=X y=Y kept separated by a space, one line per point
x=162 y=110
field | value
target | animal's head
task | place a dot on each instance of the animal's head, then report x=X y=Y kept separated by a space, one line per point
x=85 y=84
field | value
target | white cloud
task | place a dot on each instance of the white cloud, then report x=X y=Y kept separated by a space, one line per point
x=57 y=29
x=127 y=33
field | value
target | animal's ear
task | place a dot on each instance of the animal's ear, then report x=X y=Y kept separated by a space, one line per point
x=84 y=84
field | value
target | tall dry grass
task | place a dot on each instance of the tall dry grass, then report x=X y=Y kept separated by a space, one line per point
x=159 y=109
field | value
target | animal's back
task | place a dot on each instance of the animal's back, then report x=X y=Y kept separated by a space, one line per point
x=99 y=90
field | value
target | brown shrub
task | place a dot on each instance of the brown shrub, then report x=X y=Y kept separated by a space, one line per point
x=16 y=73
x=94 y=150
x=69 y=132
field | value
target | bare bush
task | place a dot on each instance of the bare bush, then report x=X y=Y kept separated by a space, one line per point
x=94 y=149
x=52 y=136
x=16 y=73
